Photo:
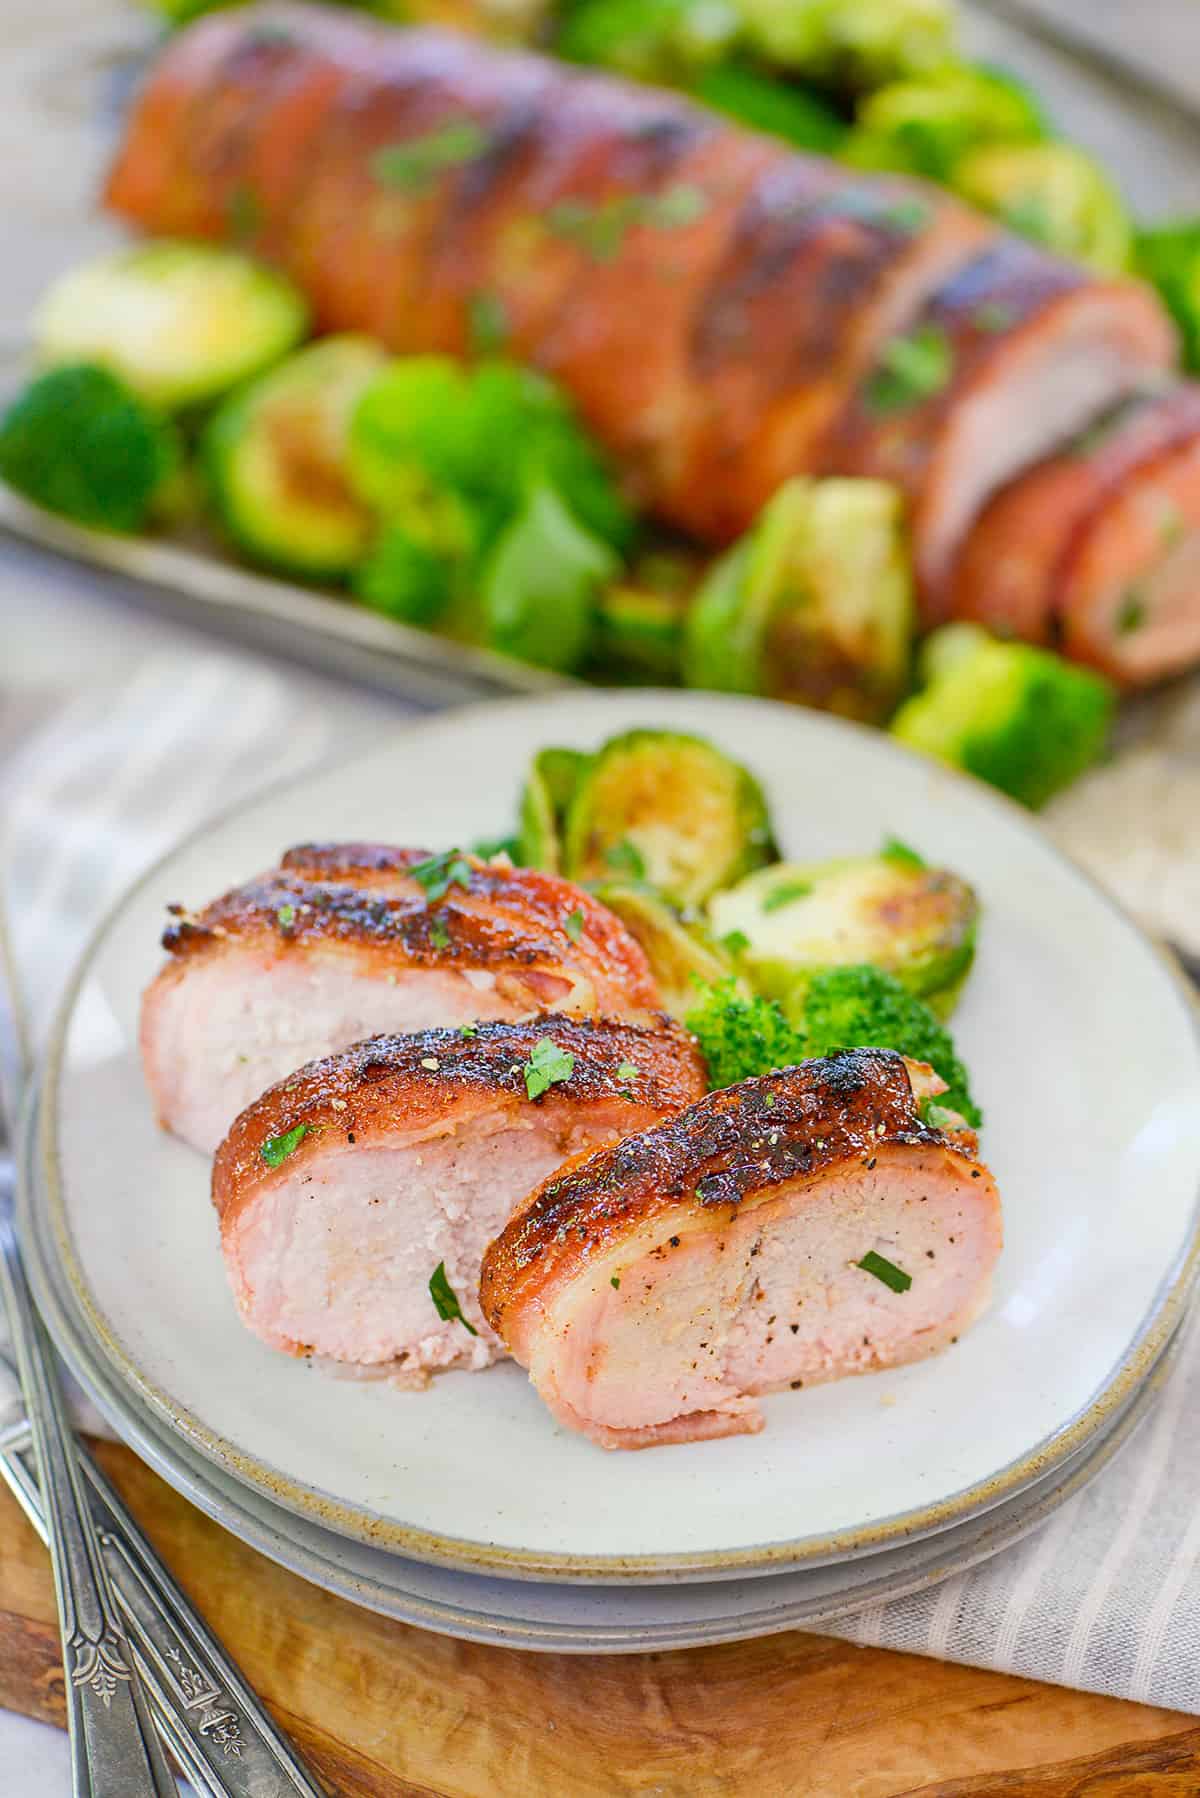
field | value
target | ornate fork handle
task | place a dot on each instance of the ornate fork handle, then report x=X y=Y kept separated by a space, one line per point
x=114 y=1748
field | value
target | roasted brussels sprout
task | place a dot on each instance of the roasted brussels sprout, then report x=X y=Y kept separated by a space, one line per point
x=182 y=323
x=926 y=127
x=668 y=809
x=680 y=953
x=420 y=560
x=1169 y=256
x=814 y=606
x=1016 y=716
x=79 y=442
x=650 y=40
x=640 y=631
x=1055 y=194
x=765 y=103
x=913 y=921
x=852 y=45
x=539 y=584
x=275 y=454
x=549 y=788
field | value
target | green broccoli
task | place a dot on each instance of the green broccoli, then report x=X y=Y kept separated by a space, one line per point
x=765 y=103
x=861 y=1007
x=80 y=442
x=1169 y=257
x=740 y=1037
x=421 y=561
x=1016 y=716
x=926 y=127
x=650 y=40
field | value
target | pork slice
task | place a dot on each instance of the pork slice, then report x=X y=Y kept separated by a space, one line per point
x=341 y=942
x=344 y=1190
x=780 y=1233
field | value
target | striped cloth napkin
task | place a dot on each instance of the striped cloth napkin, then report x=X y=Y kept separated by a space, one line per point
x=1106 y=1596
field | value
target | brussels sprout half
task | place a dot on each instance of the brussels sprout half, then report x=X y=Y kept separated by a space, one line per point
x=1055 y=194
x=182 y=323
x=814 y=606
x=852 y=45
x=669 y=809
x=275 y=456
x=915 y=922
x=926 y=127
x=548 y=790
x=679 y=953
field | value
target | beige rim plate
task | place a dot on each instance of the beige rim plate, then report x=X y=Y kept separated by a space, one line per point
x=1085 y=1055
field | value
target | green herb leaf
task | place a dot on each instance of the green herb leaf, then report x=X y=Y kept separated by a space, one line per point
x=487 y=323
x=736 y=941
x=786 y=893
x=285 y=917
x=244 y=213
x=1131 y=614
x=901 y=854
x=681 y=204
x=628 y=1070
x=573 y=924
x=277 y=1148
x=487 y=847
x=626 y=858
x=887 y=1271
x=445 y=1299
x=413 y=166
x=615 y=1282
x=994 y=316
x=439 y=936
x=938 y=1117
x=910 y=369
x=440 y=872
x=547 y=1066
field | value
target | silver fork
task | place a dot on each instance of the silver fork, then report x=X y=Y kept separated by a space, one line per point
x=134 y=1650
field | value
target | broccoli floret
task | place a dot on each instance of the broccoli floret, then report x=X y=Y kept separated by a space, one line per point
x=861 y=1007
x=1011 y=714
x=1169 y=256
x=740 y=1037
x=650 y=40
x=79 y=442
x=421 y=559
x=766 y=103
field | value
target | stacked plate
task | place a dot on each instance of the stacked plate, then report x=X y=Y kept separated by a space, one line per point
x=465 y=1508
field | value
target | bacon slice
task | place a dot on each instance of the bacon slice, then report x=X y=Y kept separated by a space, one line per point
x=340 y=942
x=655 y=1289
x=344 y=1189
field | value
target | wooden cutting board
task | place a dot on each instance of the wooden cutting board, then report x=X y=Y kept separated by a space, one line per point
x=386 y=1711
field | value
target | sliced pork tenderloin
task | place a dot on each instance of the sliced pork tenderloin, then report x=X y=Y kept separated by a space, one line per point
x=782 y=1232
x=343 y=941
x=1003 y=363
x=356 y=1197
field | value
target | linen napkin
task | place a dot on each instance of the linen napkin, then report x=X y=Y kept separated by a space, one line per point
x=1105 y=1597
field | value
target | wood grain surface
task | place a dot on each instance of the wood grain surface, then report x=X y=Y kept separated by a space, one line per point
x=386 y=1711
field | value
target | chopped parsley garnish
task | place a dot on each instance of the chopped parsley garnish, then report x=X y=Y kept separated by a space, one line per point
x=1131 y=614
x=901 y=853
x=599 y=227
x=736 y=941
x=445 y=1299
x=858 y=203
x=628 y=1070
x=487 y=847
x=1171 y=529
x=615 y=1282
x=911 y=369
x=994 y=316
x=244 y=213
x=277 y=1148
x=285 y=917
x=938 y=1117
x=439 y=936
x=626 y=858
x=786 y=893
x=468 y=1030
x=414 y=165
x=487 y=323
x=887 y=1271
x=573 y=924
x=547 y=1066
x=440 y=872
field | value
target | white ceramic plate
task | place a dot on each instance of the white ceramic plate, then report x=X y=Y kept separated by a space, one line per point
x=1084 y=1053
